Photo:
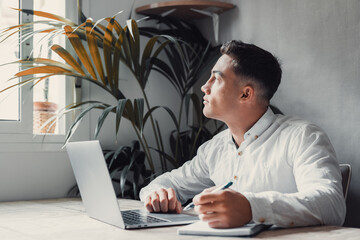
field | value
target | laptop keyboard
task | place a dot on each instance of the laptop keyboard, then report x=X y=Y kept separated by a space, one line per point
x=136 y=217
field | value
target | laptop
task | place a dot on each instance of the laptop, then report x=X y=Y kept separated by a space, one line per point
x=98 y=195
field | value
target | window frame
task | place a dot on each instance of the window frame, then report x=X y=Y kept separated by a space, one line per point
x=14 y=134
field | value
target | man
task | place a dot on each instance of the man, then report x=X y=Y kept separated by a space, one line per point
x=284 y=169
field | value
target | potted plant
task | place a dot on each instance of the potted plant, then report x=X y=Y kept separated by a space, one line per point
x=44 y=112
x=108 y=47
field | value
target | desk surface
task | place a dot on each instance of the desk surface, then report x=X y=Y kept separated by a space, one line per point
x=66 y=219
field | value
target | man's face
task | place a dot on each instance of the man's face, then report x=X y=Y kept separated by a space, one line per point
x=222 y=90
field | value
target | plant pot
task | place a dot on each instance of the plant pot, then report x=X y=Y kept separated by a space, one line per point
x=43 y=111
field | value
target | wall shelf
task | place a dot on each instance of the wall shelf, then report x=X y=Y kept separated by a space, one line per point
x=185 y=9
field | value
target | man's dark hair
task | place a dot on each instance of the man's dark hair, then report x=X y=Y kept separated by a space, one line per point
x=256 y=64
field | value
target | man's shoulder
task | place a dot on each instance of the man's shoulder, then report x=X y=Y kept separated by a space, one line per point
x=220 y=139
x=296 y=124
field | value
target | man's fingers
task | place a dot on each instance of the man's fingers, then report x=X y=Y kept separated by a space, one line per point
x=148 y=204
x=163 y=197
x=204 y=198
x=163 y=200
x=218 y=224
x=178 y=208
x=172 y=199
x=210 y=217
x=210 y=189
x=155 y=202
x=205 y=208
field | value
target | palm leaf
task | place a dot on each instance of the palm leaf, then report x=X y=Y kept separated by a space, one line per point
x=139 y=110
x=167 y=157
x=163 y=165
x=47 y=15
x=122 y=104
x=69 y=59
x=116 y=153
x=102 y=118
x=94 y=51
x=42 y=69
x=78 y=119
x=196 y=104
x=134 y=44
x=168 y=110
x=22 y=83
x=108 y=38
x=80 y=50
x=118 y=56
x=77 y=105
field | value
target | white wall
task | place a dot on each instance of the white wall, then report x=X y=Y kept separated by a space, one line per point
x=34 y=175
x=318 y=44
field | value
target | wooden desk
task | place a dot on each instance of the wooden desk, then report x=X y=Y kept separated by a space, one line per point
x=66 y=219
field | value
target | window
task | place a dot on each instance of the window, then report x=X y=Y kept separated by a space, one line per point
x=18 y=112
x=9 y=102
x=49 y=94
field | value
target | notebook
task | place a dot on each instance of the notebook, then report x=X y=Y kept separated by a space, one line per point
x=98 y=195
x=202 y=228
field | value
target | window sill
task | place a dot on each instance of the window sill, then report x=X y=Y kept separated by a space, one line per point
x=31 y=143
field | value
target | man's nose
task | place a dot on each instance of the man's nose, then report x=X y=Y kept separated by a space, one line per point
x=205 y=89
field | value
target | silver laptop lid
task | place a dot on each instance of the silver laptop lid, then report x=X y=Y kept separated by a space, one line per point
x=93 y=179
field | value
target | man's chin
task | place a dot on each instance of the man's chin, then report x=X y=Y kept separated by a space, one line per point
x=207 y=113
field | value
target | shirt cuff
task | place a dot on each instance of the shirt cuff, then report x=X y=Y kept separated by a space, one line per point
x=260 y=208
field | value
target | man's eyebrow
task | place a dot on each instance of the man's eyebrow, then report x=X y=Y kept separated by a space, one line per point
x=217 y=72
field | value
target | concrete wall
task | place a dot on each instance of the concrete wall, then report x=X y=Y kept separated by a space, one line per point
x=318 y=44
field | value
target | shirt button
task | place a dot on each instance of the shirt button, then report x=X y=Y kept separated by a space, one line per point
x=256 y=136
x=240 y=153
x=262 y=220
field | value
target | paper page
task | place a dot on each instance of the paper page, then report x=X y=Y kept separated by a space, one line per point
x=202 y=228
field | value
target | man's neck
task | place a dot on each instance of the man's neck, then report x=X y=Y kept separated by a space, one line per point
x=244 y=123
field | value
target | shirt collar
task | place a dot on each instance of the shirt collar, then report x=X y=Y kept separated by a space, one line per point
x=260 y=126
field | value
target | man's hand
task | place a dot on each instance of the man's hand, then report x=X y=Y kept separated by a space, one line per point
x=224 y=209
x=163 y=200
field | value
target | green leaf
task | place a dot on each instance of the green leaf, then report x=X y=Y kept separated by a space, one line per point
x=102 y=118
x=168 y=110
x=108 y=39
x=135 y=46
x=116 y=153
x=167 y=157
x=123 y=177
x=196 y=104
x=78 y=119
x=163 y=164
x=94 y=51
x=124 y=174
x=139 y=110
x=122 y=103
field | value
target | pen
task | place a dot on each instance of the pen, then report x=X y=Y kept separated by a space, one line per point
x=222 y=187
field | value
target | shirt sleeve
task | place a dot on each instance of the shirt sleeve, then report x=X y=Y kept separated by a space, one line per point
x=187 y=181
x=319 y=199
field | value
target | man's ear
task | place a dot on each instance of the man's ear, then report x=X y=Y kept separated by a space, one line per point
x=247 y=93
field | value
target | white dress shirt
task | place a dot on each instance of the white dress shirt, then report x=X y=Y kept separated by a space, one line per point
x=285 y=167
